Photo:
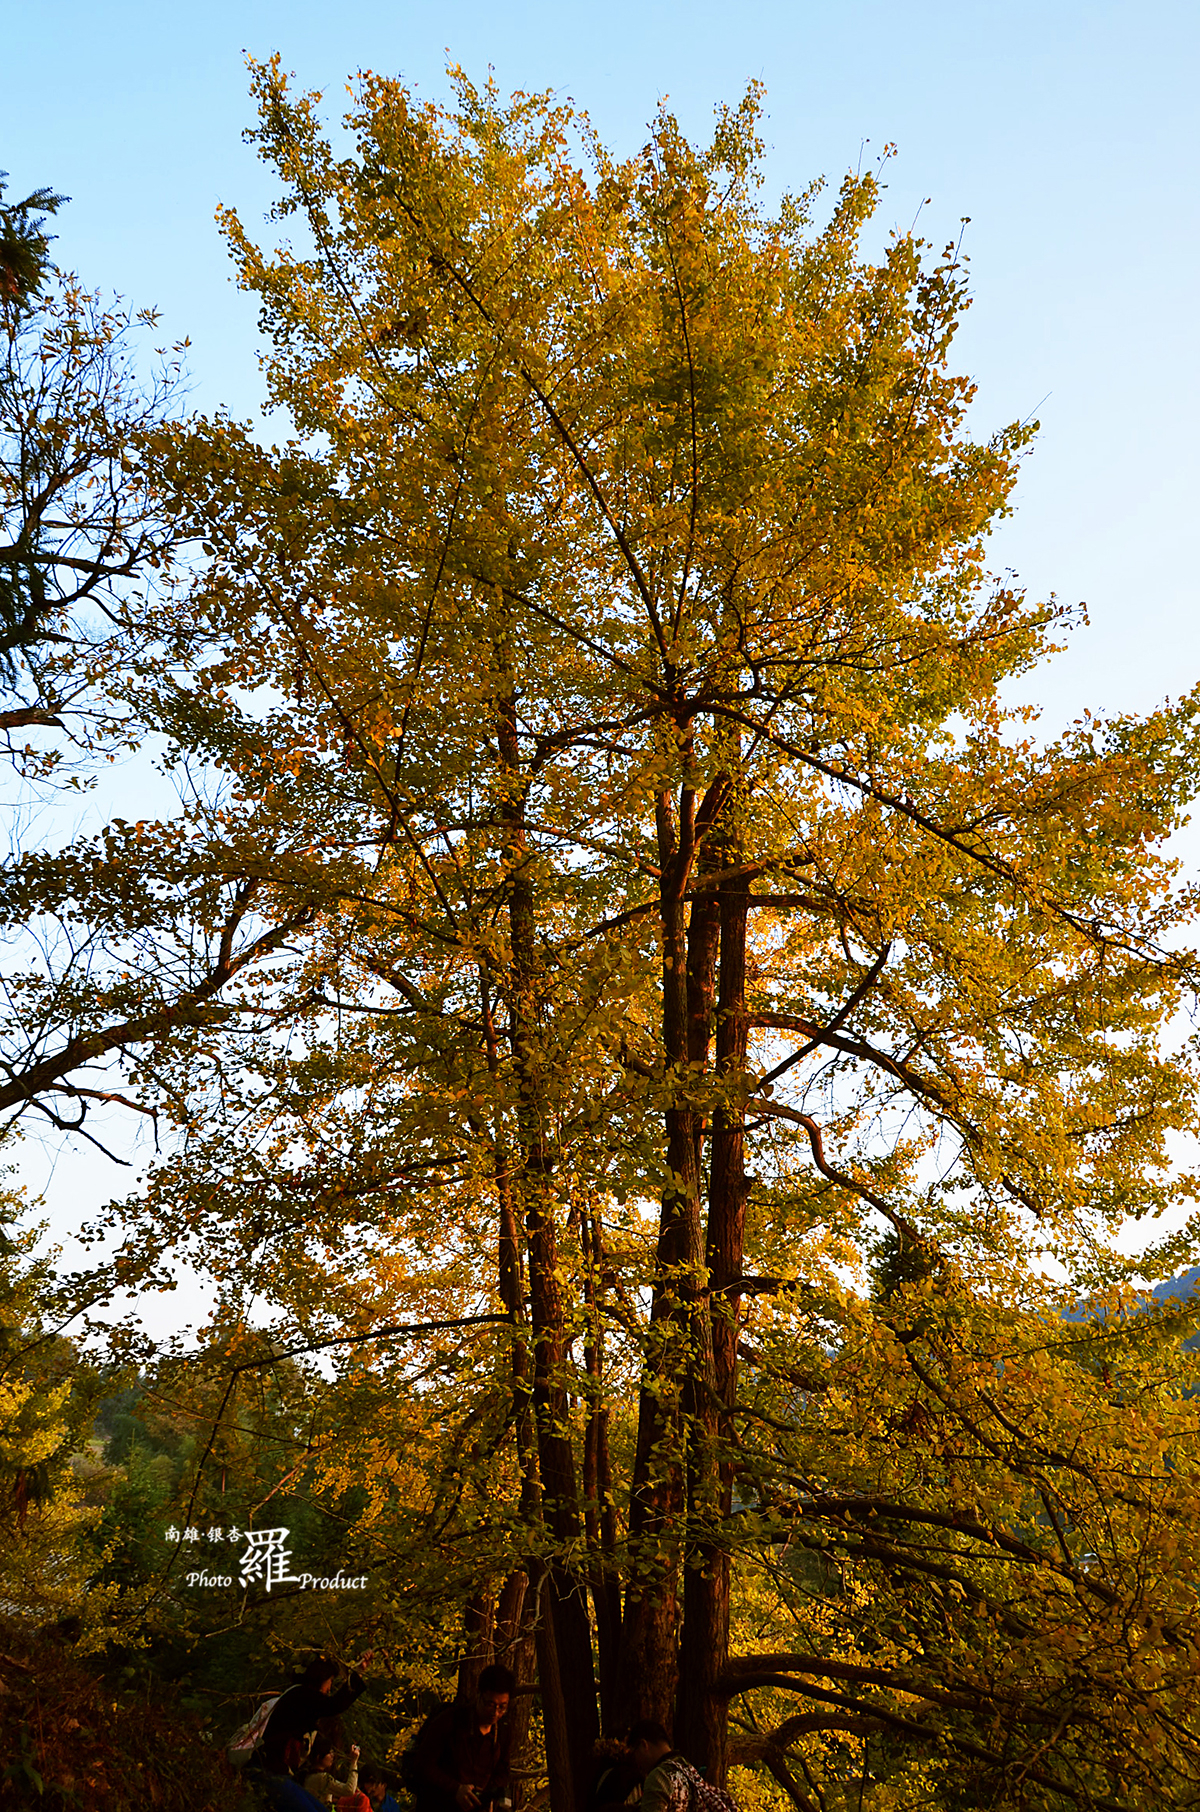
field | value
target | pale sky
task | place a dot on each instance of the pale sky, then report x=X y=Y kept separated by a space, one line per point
x=1066 y=130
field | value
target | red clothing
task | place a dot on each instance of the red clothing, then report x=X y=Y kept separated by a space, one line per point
x=452 y=1750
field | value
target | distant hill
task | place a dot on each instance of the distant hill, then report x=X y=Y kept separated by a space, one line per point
x=1171 y=1290
x=1178 y=1288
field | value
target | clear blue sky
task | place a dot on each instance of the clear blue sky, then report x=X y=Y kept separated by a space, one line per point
x=1065 y=129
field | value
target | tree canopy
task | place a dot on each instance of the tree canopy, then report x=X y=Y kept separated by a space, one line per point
x=618 y=913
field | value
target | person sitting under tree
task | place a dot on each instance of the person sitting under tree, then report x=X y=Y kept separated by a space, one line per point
x=373 y=1782
x=670 y=1783
x=461 y=1756
x=320 y=1780
x=615 y=1777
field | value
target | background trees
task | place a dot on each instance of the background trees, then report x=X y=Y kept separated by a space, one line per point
x=648 y=908
x=81 y=537
x=127 y=933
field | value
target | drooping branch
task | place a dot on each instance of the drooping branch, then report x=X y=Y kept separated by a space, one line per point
x=899 y=1221
x=191 y=1008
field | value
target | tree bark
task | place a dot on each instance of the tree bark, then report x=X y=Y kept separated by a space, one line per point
x=512 y=1294
x=564 y=1639
x=678 y=1351
x=599 y=1505
x=648 y=1668
x=514 y=1644
x=702 y=1720
x=479 y=1618
x=555 y=1723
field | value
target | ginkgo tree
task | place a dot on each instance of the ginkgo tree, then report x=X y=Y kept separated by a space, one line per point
x=604 y=683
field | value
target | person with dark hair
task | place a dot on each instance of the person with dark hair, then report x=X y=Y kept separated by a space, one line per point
x=319 y=1778
x=671 y=1784
x=461 y=1756
x=374 y=1783
x=615 y=1779
x=648 y=1745
x=299 y=1711
x=646 y=1730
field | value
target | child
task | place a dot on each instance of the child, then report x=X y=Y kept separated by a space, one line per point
x=320 y=1780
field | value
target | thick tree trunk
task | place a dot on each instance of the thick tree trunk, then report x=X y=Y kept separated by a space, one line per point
x=565 y=1608
x=514 y=1644
x=648 y=1667
x=678 y=1348
x=510 y=1268
x=704 y=930
x=512 y=1294
x=702 y=1723
x=564 y=1632
x=599 y=1505
x=479 y=1619
x=555 y=1722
